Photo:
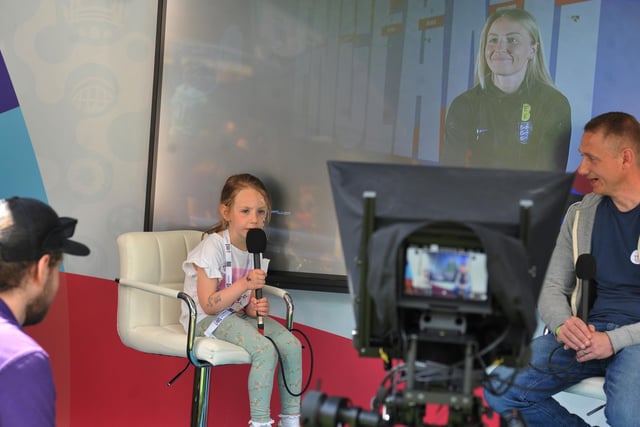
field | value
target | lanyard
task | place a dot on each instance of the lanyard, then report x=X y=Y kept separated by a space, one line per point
x=228 y=270
x=241 y=302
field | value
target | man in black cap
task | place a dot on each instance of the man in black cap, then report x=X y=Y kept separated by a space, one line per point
x=32 y=241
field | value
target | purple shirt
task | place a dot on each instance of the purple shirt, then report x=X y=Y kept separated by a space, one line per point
x=27 y=392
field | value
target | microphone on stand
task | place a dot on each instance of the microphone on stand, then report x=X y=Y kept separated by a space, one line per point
x=586 y=272
x=256 y=244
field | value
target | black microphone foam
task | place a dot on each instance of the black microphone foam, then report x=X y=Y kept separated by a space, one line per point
x=586 y=267
x=256 y=241
x=586 y=272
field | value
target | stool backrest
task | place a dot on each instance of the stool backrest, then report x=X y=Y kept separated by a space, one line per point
x=155 y=258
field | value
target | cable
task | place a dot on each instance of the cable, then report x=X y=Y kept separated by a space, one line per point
x=179 y=374
x=284 y=379
x=550 y=369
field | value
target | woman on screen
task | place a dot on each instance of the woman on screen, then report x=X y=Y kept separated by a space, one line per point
x=514 y=117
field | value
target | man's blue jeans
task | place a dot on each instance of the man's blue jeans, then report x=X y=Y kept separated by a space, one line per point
x=553 y=369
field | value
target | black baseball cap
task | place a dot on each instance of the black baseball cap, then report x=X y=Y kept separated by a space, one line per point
x=30 y=228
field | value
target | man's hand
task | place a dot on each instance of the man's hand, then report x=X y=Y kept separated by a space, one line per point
x=600 y=348
x=575 y=334
x=589 y=345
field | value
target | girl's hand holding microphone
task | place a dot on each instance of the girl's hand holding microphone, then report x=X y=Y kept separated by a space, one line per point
x=256 y=279
x=261 y=306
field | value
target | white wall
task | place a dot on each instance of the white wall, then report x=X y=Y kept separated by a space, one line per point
x=83 y=73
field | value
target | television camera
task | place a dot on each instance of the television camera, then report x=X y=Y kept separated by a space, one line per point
x=444 y=280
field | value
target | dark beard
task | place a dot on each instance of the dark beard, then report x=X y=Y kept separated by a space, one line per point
x=36 y=311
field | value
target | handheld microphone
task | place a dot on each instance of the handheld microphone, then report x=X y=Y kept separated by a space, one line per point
x=256 y=244
x=586 y=271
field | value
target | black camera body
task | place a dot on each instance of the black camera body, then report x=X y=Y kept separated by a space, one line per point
x=444 y=277
x=444 y=299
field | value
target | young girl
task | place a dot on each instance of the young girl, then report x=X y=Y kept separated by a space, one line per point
x=221 y=278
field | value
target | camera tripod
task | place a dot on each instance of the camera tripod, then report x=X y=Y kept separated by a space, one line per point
x=406 y=407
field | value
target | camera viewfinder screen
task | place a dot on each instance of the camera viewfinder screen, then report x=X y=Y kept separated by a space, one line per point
x=443 y=272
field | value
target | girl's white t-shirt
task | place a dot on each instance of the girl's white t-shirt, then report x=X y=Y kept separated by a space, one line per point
x=210 y=256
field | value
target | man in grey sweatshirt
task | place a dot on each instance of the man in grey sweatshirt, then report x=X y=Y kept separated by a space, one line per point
x=605 y=224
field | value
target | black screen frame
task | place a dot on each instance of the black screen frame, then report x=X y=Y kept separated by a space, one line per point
x=436 y=302
x=451 y=239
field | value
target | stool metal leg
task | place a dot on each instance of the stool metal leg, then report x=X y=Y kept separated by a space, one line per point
x=200 y=403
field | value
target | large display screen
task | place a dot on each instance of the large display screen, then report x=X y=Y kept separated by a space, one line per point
x=278 y=88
